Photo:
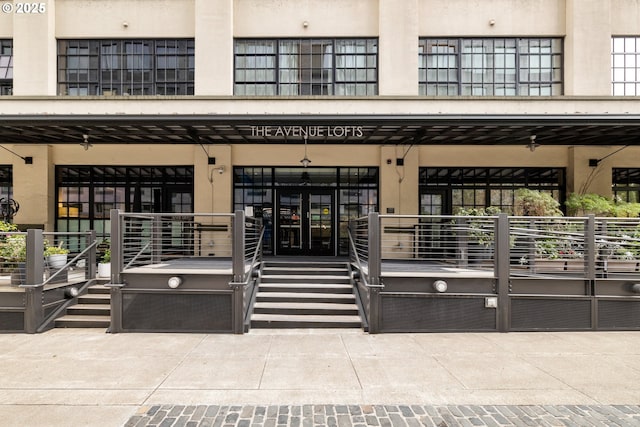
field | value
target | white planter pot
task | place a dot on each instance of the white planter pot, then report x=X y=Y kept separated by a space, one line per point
x=57 y=261
x=104 y=270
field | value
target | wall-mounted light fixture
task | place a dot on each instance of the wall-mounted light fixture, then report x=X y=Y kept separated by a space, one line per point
x=305 y=160
x=532 y=145
x=71 y=292
x=440 y=286
x=220 y=169
x=174 y=282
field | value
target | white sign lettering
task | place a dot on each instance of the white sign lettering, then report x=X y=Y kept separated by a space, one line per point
x=308 y=131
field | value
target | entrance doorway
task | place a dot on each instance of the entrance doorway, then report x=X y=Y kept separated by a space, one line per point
x=305 y=224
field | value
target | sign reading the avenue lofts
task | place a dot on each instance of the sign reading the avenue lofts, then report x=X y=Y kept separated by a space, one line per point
x=308 y=131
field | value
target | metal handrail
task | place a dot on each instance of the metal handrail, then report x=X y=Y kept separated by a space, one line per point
x=95 y=243
x=365 y=282
x=253 y=261
x=136 y=256
x=256 y=252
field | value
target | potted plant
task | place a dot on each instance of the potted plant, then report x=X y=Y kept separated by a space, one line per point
x=13 y=250
x=56 y=256
x=104 y=266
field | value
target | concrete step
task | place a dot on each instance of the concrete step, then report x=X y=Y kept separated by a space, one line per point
x=308 y=308
x=326 y=288
x=305 y=297
x=278 y=321
x=93 y=310
x=99 y=289
x=307 y=265
x=299 y=278
x=83 y=322
x=288 y=270
x=89 y=310
x=94 y=299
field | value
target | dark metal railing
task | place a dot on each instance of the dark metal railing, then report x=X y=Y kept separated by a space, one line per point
x=50 y=282
x=502 y=257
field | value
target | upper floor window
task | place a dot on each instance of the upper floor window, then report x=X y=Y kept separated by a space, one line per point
x=625 y=66
x=490 y=67
x=306 y=67
x=6 y=67
x=126 y=67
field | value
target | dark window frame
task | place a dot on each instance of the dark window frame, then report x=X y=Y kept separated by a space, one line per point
x=85 y=194
x=480 y=76
x=272 y=67
x=625 y=184
x=6 y=67
x=126 y=67
x=480 y=187
x=261 y=181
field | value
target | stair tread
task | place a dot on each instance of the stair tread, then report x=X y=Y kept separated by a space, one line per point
x=305 y=284
x=83 y=318
x=317 y=269
x=303 y=276
x=305 y=318
x=307 y=305
x=95 y=296
x=303 y=295
x=101 y=296
x=90 y=307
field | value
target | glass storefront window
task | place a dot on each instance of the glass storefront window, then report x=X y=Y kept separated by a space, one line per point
x=86 y=194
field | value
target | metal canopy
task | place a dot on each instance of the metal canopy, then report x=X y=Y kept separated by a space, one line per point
x=371 y=129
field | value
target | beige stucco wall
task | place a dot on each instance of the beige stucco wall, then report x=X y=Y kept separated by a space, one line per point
x=625 y=17
x=143 y=18
x=398 y=47
x=324 y=18
x=6 y=25
x=463 y=18
x=34 y=52
x=214 y=191
x=214 y=47
x=588 y=48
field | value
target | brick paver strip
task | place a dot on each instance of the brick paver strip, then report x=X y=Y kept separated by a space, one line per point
x=385 y=415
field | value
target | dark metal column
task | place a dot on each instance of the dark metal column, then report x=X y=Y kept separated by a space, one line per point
x=116 y=267
x=237 y=259
x=501 y=260
x=34 y=269
x=374 y=265
x=590 y=260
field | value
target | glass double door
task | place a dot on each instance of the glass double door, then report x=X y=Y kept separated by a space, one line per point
x=305 y=222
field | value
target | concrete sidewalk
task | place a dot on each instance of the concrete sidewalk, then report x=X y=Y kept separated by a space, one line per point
x=74 y=377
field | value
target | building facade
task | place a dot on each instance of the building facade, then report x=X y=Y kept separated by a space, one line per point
x=310 y=113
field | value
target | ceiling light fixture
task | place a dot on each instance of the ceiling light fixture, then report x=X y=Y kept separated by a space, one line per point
x=305 y=160
x=532 y=145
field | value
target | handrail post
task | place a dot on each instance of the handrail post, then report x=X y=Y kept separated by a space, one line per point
x=91 y=255
x=238 y=246
x=34 y=270
x=462 y=246
x=590 y=255
x=590 y=258
x=374 y=265
x=502 y=259
x=237 y=260
x=116 y=267
x=156 y=240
